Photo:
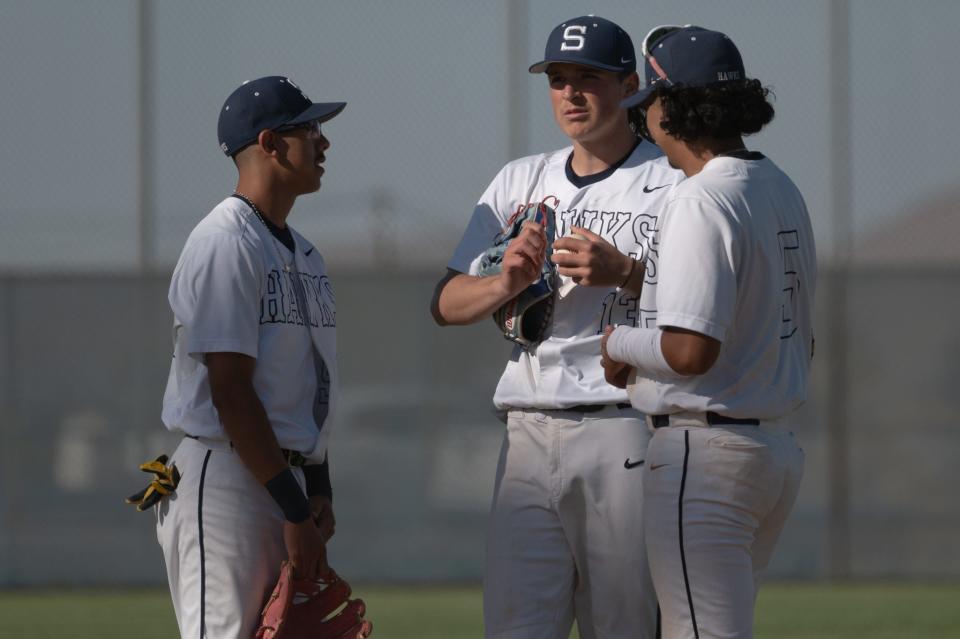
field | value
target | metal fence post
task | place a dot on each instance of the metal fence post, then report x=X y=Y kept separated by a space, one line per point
x=837 y=292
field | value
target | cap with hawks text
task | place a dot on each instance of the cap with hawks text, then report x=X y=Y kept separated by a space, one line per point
x=267 y=103
x=689 y=56
x=591 y=41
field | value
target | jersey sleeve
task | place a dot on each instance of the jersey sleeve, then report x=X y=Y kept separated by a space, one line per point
x=485 y=223
x=215 y=293
x=697 y=282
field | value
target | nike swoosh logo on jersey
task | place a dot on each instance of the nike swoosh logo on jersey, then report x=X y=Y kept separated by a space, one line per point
x=622 y=61
x=656 y=466
x=647 y=189
x=308 y=252
x=629 y=464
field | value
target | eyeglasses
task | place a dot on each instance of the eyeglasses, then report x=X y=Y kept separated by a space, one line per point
x=312 y=128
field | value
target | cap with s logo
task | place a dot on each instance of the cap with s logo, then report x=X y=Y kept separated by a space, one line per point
x=689 y=56
x=591 y=41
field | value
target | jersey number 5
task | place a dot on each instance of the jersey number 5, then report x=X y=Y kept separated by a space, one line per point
x=789 y=244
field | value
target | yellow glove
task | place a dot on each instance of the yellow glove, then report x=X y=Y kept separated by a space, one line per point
x=164 y=483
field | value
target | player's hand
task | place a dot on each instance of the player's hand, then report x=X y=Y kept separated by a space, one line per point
x=616 y=373
x=591 y=262
x=322 y=508
x=523 y=259
x=305 y=549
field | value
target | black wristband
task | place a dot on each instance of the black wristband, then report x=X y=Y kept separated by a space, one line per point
x=318 y=479
x=286 y=492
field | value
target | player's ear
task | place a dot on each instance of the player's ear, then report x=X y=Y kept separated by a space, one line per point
x=267 y=141
x=631 y=84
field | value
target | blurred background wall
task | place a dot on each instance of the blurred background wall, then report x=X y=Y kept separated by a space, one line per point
x=109 y=127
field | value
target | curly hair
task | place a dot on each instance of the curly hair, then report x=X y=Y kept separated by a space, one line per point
x=720 y=110
x=636 y=118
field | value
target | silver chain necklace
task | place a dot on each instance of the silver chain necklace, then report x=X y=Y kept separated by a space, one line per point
x=276 y=243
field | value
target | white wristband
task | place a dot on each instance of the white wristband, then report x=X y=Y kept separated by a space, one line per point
x=640 y=347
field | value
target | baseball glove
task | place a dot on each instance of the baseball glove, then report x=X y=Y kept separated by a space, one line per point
x=307 y=609
x=528 y=317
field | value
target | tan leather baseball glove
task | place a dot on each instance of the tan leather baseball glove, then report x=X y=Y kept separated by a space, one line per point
x=307 y=609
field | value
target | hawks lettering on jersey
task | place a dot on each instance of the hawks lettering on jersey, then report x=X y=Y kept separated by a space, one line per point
x=281 y=299
x=631 y=233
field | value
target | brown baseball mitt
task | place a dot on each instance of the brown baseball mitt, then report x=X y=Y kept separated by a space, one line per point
x=307 y=609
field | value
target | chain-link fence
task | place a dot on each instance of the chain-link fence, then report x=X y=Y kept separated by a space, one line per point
x=112 y=159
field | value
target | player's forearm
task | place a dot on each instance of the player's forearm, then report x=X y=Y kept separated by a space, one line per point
x=246 y=423
x=634 y=281
x=248 y=427
x=466 y=299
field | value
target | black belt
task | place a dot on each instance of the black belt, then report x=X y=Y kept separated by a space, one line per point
x=713 y=419
x=293 y=457
x=594 y=408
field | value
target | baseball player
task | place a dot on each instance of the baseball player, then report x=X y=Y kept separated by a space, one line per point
x=720 y=359
x=565 y=520
x=254 y=376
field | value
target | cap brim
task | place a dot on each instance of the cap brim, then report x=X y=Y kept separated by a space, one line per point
x=541 y=66
x=637 y=98
x=320 y=111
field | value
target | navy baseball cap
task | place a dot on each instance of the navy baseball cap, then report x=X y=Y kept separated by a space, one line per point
x=267 y=103
x=591 y=41
x=690 y=56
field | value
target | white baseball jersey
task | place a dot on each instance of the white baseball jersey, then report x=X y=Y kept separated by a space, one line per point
x=237 y=289
x=621 y=205
x=735 y=261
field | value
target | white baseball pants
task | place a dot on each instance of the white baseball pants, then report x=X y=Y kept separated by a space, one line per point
x=716 y=499
x=222 y=540
x=564 y=536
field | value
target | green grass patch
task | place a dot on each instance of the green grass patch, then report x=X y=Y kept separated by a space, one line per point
x=784 y=611
x=146 y=614
x=876 y=610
